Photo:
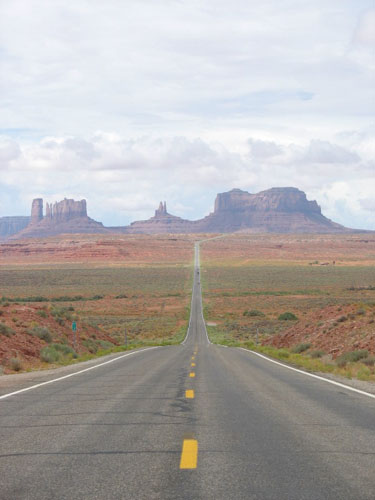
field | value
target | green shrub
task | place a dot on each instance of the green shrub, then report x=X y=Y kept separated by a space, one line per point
x=41 y=332
x=64 y=349
x=363 y=373
x=342 y=319
x=121 y=296
x=254 y=312
x=287 y=316
x=42 y=313
x=369 y=361
x=49 y=354
x=91 y=345
x=105 y=344
x=300 y=348
x=15 y=364
x=6 y=330
x=317 y=354
x=351 y=357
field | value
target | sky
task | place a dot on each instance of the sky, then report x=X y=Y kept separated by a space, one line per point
x=129 y=102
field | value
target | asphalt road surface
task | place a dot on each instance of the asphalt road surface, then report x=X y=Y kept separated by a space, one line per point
x=195 y=421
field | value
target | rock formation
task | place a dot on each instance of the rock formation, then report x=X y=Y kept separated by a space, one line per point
x=36 y=210
x=276 y=210
x=66 y=216
x=12 y=225
x=162 y=222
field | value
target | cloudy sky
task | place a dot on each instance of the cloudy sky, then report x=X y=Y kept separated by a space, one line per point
x=127 y=102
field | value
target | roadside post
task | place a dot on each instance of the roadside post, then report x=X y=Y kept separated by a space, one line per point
x=257 y=336
x=74 y=330
x=126 y=337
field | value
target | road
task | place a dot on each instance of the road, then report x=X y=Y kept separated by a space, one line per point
x=195 y=421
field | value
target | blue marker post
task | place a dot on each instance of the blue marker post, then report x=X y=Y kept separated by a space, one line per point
x=74 y=330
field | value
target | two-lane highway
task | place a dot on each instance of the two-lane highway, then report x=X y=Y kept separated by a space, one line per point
x=195 y=421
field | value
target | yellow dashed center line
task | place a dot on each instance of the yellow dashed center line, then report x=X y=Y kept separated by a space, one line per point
x=192 y=364
x=189 y=394
x=192 y=374
x=193 y=357
x=189 y=454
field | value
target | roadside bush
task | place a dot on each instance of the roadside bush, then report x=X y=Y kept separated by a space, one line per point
x=317 y=354
x=300 y=348
x=287 y=316
x=363 y=373
x=121 y=296
x=369 y=361
x=105 y=344
x=42 y=313
x=41 y=332
x=6 y=330
x=351 y=357
x=15 y=364
x=65 y=349
x=91 y=345
x=49 y=354
x=283 y=353
x=254 y=312
x=341 y=319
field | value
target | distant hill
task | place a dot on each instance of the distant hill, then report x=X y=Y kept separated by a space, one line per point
x=276 y=210
x=12 y=225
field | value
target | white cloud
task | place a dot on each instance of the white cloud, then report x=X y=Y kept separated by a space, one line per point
x=124 y=179
x=192 y=97
x=365 y=31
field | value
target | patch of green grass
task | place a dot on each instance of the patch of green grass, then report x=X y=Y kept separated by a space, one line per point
x=351 y=357
x=287 y=316
x=254 y=312
x=41 y=332
x=6 y=330
x=301 y=348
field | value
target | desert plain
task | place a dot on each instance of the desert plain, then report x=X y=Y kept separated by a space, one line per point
x=310 y=297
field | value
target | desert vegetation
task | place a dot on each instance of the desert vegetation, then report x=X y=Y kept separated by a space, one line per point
x=141 y=299
x=272 y=293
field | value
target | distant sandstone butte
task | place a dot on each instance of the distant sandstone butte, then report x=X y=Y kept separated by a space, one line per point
x=12 y=225
x=161 y=222
x=66 y=216
x=276 y=210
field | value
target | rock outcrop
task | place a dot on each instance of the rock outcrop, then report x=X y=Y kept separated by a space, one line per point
x=162 y=222
x=12 y=225
x=276 y=210
x=36 y=210
x=66 y=216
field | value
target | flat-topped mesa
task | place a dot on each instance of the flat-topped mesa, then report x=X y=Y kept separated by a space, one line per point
x=288 y=199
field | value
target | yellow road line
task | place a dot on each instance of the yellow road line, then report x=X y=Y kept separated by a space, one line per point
x=192 y=374
x=193 y=357
x=189 y=454
x=189 y=394
x=192 y=364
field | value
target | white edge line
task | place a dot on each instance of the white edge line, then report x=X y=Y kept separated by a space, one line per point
x=4 y=396
x=200 y=287
x=353 y=389
x=191 y=301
